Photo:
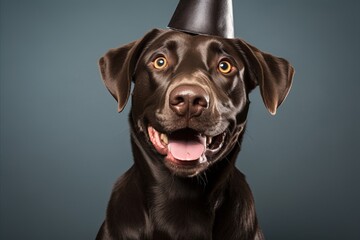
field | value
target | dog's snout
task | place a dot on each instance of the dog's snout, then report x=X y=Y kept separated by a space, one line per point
x=188 y=100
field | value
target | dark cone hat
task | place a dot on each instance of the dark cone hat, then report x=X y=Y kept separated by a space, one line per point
x=206 y=17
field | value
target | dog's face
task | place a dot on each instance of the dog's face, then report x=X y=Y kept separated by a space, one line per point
x=190 y=98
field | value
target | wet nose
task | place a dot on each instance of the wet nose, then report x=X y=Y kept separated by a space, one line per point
x=188 y=100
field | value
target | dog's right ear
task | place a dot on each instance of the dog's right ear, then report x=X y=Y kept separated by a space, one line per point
x=118 y=65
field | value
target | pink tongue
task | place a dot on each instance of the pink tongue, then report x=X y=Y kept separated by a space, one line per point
x=186 y=145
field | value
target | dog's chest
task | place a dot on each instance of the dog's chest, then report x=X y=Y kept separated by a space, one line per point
x=182 y=217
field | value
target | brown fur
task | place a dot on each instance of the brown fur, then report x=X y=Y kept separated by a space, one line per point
x=160 y=199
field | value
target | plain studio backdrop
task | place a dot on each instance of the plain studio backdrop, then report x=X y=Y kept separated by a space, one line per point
x=63 y=144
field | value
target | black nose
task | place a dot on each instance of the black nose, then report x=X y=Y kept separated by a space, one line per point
x=188 y=100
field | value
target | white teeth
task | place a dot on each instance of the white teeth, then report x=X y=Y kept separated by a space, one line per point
x=164 y=138
x=208 y=140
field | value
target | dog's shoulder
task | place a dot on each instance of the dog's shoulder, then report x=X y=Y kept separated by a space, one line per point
x=128 y=190
x=127 y=206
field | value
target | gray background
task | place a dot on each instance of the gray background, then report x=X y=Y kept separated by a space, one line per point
x=63 y=144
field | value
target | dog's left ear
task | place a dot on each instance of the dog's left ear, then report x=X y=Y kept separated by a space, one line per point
x=117 y=67
x=273 y=75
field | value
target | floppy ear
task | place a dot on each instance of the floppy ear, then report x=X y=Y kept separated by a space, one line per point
x=117 y=67
x=273 y=75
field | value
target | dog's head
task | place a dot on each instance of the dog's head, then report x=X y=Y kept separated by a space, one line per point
x=190 y=99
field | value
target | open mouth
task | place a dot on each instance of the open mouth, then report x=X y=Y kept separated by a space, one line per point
x=185 y=146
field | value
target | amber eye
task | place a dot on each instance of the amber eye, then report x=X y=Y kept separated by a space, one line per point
x=160 y=63
x=225 y=67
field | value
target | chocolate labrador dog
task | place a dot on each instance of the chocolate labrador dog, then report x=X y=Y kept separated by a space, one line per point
x=189 y=107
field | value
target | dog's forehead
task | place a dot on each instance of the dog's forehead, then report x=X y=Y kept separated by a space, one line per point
x=173 y=40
